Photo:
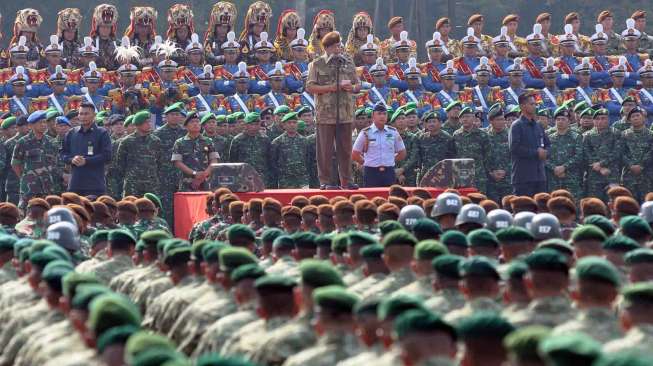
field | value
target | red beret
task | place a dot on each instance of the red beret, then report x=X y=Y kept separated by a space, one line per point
x=330 y=39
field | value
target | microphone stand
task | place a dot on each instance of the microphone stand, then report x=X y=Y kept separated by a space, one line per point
x=338 y=63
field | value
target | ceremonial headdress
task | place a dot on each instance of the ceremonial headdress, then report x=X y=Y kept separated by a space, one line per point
x=104 y=14
x=630 y=32
x=54 y=46
x=599 y=36
x=256 y=13
x=180 y=15
x=569 y=38
x=300 y=41
x=88 y=47
x=27 y=20
x=223 y=12
x=470 y=39
x=141 y=15
x=503 y=37
x=231 y=42
x=68 y=19
x=536 y=36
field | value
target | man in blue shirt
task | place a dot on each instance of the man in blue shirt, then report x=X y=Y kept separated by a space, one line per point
x=87 y=148
x=377 y=148
x=528 y=150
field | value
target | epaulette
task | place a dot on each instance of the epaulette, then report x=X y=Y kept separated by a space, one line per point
x=391 y=128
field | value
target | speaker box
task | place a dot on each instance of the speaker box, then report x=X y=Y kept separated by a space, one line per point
x=238 y=177
x=450 y=173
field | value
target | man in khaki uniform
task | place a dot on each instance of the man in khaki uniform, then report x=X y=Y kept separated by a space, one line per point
x=322 y=83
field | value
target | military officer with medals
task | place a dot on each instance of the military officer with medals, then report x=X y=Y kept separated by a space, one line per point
x=500 y=62
x=416 y=93
x=276 y=96
x=466 y=64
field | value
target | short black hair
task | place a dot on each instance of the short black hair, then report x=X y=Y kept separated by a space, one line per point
x=523 y=97
x=114 y=118
x=87 y=105
x=21 y=121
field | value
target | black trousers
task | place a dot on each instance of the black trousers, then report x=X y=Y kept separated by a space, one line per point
x=378 y=176
x=529 y=188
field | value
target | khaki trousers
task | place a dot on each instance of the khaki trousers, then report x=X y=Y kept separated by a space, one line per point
x=326 y=149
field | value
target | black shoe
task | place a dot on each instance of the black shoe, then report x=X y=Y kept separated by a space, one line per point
x=323 y=187
x=330 y=187
x=351 y=187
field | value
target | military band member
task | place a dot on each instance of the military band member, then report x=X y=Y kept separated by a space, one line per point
x=582 y=46
x=482 y=95
x=193 y=155
x=205 y=102
x=257 y=21
x=298 y=64
x=27 y=25
x=600 y=60
x=616 y=94
x=286 y=32
x=381 y=91
x=180 y=29
x=567 y=61
x=221 y=21
x=547 y=44
x=91 y=91
x=645 y=40
x=19 y=105
x=103 y=32
x=447 y=94
x=631 y=38
x=57 y=97
x=534 y=62
x=194 y=60
x=142 y=30
x=466 y=64
x=517 y=44
x=276 y=96
x=323 y=23
x=416 y=93
x=262 y=53
x=516 y=87
x=550 y=95
x=584 y=92
x=68 y=22
x=241 y=101
x=224 y=73
x=564 y=166
x=484 y=44
x=435 y=49
x=500 y=62
x=388 y=46
x=359 y=35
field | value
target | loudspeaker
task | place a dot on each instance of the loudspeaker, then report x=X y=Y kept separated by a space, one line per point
x=238 y=177
x=450 y=173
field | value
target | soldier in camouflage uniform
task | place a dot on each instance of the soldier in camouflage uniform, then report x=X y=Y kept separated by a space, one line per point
x=290 y=155
x=252 y=147
x=12 y=183
x=116 y=124
x=311 y=166
x=210 y=124
x=473 y=143
x=637 y=143
x=499 y=167
x=34 y=160
x=193 y=155
x=8 y=130
x=168 y=134
x=433 y=145
x=405 y=169
x=564 y=165
x=141 y=158
x=601 y=156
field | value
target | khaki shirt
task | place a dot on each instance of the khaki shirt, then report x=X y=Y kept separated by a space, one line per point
x=321 y=72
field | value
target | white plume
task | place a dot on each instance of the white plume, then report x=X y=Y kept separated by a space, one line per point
x=264 y=37
x=403 y=36
x=412 y=63
x=437 y=36
x=470 y=32
x=504 y=31
x=598 y=28
x=54 y=39
x=568 y=29
x=484 y=60
x=88 y=41
x=450 y=64
x=22 y=41
x=231 y=36
x=537 y=28
x=92 y=66
x=242 y=67
x=301 y=33
x=550 y=62
x=167 y=49
x=630 y=23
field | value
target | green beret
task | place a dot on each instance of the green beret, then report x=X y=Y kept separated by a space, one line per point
x=301 y=126
x=207 y=117
x=601 y=222
x=561 y=111
x=514 y=234
x=625 y=358
x=305 y=239
x=7 y=242
x=72 y=280
x=452 y=104
x=275 y=283
x=515 y=109
x=600 y=112
x=175 y=107
x=464 y=111
x=361 y=238
x=251 y=270
x=220 y=119
x=157 y=357
x=635 y=227
x=52 y=114
x=281 y=109
x=392 y=306
x=121 y=235
x=484 y=325
x=638 y=293
x=399 y=237
x=478 y=266
x=390 y=111
x=389 y=225
x=22 y=244
x=359 y=112
x=557 y=244
x=639 y=256
x=523 y=343
x=429 y=249
x=335 y=298
x=324 y=240
x=58 y=252
x=397 y=113
x=495 y=111
x=270 y=234
x=99 y=236
x=409 y=111
x=176 y=251
x=234 y=257
x=448 y=265
x=144 y=340
x=368 y=111
x=368 y=306
x=140 y=118
x=152 y=237
x=428 y=115
x=372 y=251
x=597 y=269
x=580 y=106
x=54 y=272
x=128 y=121
x=339 y=243
x=211 y=251
x=41 y=259
x=8 y=122
x=588 y=232
x=231 y=119
x=317 y=273
x=454 y=238
x=421 y=321
x=516 y=270
x=426 y=228
x=40 y=245
x=283 y=242
x=196 y=249
x=115 y=335
x=191 y=116
x=543 y=112
x=240 y=231
x=215 y=359
x=548 y=260
x=289 y=116
x=86 y=293
x=620 y=243
x=570 y=348
x=482 y=238
x=240 y=115
x=252 y=117
x=110 y=310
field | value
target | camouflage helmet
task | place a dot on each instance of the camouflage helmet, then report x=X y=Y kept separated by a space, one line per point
x=523 y=219
x=545 y=226
x=498 y=219
x=646 y=211
x=60 y=214
x=471 y=213
x=409 y=215
x=447 y=204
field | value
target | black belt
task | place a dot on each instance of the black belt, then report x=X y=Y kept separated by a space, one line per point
x=380 y=168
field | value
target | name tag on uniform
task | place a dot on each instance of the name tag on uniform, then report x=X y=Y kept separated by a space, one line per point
x=389 y=136
x=89 y=152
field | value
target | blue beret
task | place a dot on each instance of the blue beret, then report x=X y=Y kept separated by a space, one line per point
x=36 y=116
